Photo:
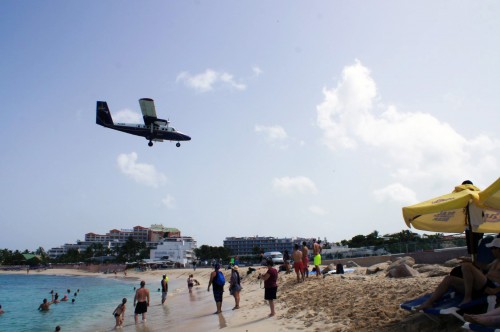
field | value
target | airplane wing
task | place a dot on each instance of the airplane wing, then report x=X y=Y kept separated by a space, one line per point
x=149 y=112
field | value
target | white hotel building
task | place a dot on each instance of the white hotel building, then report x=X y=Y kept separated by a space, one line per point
x=178 y=249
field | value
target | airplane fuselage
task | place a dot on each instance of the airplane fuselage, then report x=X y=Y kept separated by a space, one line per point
x=151 y=132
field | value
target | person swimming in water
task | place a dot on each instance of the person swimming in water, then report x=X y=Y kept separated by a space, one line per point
x=45 y=305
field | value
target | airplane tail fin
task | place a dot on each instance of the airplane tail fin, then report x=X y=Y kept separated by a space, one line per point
x=103 y=116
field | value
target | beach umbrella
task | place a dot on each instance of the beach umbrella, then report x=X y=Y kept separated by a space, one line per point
x=467 y=209
x=447 y=213
x=485 y=212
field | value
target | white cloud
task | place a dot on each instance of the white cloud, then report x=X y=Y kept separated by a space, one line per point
x=206 y=81
x=413 y=146
x=257 y=71
x=276 y=135
x=396 y=192
x=141 y=173
x=314 y=209
x=169 y=202
x=290 y=185
x=127 y=116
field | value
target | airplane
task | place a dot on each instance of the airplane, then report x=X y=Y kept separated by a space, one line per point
x=153 y=129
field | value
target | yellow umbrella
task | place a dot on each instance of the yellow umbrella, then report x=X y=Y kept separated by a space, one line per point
x=486 y=210
x=447 y=213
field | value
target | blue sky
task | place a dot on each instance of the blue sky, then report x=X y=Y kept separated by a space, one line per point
x=312 y=119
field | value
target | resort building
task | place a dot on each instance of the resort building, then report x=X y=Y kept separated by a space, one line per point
x=251 y=246
x=116 y=238
x=178 y=249
x=138 y=233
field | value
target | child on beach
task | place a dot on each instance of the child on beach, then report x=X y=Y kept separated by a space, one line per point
x=119 y=313
x=191 y=281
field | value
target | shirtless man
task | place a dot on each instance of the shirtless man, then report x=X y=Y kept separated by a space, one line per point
x=142 y=299
x=297 y=262
x=45 y=305
x=473 y=281
x=164 y=288
x=317 y=256
x=305 y=260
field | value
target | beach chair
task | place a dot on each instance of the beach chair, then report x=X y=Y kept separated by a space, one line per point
x=479 y=328
x=449 y=305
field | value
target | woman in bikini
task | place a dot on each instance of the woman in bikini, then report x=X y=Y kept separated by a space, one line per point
x=119 y=313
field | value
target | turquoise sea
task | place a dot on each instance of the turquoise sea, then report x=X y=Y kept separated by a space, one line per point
x=21 y=295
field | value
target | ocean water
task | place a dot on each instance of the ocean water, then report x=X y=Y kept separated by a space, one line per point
x=21 y=295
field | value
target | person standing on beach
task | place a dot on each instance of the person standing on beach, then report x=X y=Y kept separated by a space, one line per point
x=164 y=288
x=297 y=263
x=286 y=261
x=141 y=298
x=270 y=285
x=235 y=286
x=218 y=287
x=317 y=256
x=119 y=313
x=305 y=260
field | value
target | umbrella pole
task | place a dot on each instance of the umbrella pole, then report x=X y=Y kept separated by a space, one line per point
x=471 y=237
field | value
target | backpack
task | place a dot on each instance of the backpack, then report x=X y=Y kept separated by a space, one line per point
x=219 y=279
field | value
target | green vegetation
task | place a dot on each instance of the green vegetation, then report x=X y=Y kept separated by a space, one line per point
x=131 y=250
x=208 y=253
x=404 y=241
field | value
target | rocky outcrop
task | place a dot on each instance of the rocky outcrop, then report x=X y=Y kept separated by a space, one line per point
x=452 y=262
x=432 y=270
x=378 y=267
x=402 y=270
x=405 y=267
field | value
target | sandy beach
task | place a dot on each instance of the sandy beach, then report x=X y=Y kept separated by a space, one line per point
x=350 y=302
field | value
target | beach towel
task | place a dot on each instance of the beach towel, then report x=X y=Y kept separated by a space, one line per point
x=449 y=304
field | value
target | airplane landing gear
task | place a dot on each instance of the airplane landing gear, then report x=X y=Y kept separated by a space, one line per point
x=150 y=143
x=178 y=144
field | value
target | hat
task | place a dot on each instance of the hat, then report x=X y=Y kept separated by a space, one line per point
x=235 y=267
x=495 y=243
